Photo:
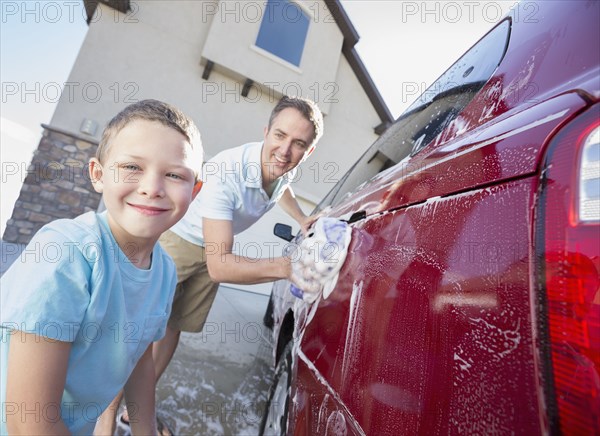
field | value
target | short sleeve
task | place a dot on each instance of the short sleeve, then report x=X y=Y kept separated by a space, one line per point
x=47 y=289
x=219 y=200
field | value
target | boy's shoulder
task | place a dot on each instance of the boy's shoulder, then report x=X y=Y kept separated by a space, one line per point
x=70 y=235
x=85 y=227
x=63 y=245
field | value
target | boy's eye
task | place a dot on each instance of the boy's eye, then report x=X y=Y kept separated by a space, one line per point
x=131 y=167
x=175 y=176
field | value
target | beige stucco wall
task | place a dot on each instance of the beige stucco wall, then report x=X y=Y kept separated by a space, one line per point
x=156 y=52
x=235 y=28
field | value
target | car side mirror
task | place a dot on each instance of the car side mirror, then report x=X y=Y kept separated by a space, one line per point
x=283 y=231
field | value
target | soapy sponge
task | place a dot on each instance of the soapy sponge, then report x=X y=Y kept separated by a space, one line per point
x=318 y=259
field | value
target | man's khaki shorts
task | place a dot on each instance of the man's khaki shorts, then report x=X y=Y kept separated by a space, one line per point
x=195 y=291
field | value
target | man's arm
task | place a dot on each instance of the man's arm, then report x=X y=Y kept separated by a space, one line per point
x=36 y=374
x=139 y=396
x=290 y=205
x=224 y=266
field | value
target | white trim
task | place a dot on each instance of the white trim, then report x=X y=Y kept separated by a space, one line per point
x=305 y=8
x=275 y=58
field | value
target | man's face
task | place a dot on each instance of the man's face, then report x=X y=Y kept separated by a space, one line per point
x=287 y=142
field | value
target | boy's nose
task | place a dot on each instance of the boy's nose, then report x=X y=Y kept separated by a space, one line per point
x=151 y=186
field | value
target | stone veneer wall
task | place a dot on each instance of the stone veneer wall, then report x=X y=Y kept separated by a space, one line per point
x=57 y=184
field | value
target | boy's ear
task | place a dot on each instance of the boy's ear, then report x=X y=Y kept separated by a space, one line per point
x=197 y=188
x=96 y=171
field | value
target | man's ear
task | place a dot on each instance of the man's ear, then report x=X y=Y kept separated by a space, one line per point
x=197 y=188
x=266 y=130
x=310 y=150
x=96 y=171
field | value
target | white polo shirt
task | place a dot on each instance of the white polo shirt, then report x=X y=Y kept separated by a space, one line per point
x=232 y=191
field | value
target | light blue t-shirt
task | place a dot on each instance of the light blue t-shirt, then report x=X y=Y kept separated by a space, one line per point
x=73 y=283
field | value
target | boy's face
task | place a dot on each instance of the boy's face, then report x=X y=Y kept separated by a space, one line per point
x=286 y=144
x=146 y=180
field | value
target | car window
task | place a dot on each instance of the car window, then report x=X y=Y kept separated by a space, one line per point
x=429 y=115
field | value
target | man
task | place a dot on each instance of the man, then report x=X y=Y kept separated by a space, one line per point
x=240 y=185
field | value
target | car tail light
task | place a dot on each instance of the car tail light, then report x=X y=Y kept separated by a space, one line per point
x=568 y=247
x=589 y=178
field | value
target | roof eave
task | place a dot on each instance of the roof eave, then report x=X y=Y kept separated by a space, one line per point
x=91 y=6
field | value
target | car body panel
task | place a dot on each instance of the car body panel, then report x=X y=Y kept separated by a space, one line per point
x=427 y=320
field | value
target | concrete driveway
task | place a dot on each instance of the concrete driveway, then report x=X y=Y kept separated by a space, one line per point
x=218 y=380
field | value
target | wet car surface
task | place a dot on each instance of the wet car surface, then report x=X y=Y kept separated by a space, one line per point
x=469 y=301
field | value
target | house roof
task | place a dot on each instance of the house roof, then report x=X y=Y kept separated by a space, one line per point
x=91 y=5
x=350 y=39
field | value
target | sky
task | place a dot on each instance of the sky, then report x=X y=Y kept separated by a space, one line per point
x=405 y=46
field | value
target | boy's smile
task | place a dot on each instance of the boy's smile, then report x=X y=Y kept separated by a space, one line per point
x=146 y=182
x=148 y=210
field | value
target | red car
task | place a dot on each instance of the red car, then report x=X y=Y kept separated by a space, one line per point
x=469 y=301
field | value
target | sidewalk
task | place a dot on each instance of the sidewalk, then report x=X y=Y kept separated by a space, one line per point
x=218 y=380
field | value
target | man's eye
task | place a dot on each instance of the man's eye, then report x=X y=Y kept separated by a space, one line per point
x=300 y=145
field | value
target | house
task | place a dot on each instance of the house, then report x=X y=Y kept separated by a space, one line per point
x=225 y=63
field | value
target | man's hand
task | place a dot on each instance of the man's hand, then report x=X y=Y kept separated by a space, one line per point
x=306 y=222
x=319 y=258
x=290 y=205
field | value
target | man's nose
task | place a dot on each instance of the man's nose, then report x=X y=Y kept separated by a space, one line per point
x=285 y=147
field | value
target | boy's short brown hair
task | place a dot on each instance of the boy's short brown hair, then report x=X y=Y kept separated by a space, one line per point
x=153 y=110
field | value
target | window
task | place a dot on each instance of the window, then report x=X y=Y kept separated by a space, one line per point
x=429 y=115
x=283 y=30
x=443 y=101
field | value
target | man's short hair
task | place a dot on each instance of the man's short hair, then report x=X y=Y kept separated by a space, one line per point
x=152 y=110
x=306 y=107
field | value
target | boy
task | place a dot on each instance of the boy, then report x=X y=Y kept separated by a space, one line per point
x=241 y=185
x=77 y=325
